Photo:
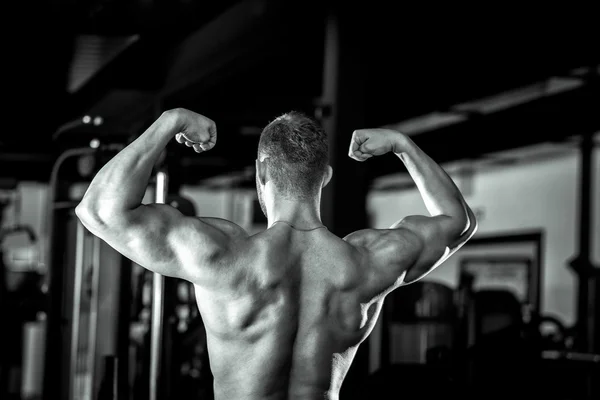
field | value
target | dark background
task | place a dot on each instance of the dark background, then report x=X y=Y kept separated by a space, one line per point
x=243 y=63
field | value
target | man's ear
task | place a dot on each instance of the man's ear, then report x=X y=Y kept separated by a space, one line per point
x=261 y=170
x=327 y=176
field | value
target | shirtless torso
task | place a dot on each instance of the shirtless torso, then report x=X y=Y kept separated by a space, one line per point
x=284 y=310
x=285 y=313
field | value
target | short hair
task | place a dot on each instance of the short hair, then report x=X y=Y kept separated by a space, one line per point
x=298 y=153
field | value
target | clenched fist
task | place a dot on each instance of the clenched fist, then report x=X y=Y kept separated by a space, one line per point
x=195 y=130
x=366 y=143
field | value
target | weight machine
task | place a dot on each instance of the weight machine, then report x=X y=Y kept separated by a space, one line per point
x=83 y=321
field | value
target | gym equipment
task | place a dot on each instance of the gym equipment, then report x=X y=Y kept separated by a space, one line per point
x=80 y=332
x=417 y=342
x=21 y=299
x=56 y=382
x=418 y=323
x=158 y=289
x=501 y=347
x=32 y=370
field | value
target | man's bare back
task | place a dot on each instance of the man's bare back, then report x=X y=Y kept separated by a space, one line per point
x=285 y=318
x=286 y=309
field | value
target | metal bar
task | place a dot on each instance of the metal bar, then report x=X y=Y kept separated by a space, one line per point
x=76 y=312
x=585 y=240
x=582 y=263
x=585 y=196
x=124 y=324
x=93 y=322
x=115 y=380
x=158 y=292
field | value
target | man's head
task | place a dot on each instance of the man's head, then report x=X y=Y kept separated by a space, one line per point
x=293 y=155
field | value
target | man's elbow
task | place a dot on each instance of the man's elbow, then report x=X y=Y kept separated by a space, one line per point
x=84 y=213
x=462 y=228
x=475 y=225
x=469 y=226
x=89 y=215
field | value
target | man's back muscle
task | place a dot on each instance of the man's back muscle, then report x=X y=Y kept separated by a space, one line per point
x=286 y=314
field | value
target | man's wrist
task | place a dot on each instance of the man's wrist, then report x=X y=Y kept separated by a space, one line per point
x=399 y=143
x=170 y=121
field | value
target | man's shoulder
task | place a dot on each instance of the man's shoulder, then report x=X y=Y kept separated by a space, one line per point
x=362 y=237
x=229 y=228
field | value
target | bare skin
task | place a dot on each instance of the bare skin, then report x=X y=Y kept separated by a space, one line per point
x=286 y=309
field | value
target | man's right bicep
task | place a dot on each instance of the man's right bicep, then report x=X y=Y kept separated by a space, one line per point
x=386 y=256
x=440 y=239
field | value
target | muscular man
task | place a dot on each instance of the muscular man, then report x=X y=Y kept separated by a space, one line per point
x=285 y=309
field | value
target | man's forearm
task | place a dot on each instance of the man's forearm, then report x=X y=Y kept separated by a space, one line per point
x=121 y=183
x=439 y=193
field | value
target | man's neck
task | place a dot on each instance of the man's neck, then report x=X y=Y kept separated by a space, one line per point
x=301 y=214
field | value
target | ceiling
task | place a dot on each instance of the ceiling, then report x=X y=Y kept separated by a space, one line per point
x=473 y=81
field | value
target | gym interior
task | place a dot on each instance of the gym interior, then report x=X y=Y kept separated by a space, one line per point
x=507 y=101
